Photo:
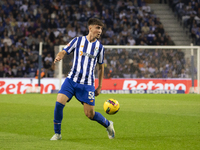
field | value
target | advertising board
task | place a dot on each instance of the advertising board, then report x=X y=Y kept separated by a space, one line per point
x=154 y=86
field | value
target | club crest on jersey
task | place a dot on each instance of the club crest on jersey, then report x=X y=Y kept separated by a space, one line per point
x=97 y=49
x=86 y=54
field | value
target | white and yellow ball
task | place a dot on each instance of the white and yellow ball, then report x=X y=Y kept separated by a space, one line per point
x=111 y=106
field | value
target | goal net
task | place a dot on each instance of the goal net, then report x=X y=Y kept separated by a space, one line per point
x=145 y=69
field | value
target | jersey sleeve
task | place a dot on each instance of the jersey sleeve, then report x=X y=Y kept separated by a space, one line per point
x=70 y=46
x=100 y=59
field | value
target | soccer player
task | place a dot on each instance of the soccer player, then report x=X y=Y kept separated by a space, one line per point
x=88 y=51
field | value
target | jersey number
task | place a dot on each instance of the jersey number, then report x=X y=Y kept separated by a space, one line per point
x=90 y=95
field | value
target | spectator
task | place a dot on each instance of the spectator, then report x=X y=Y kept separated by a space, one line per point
x=32 y=57
x=164 y=71
x=2 y=28
x=122 y=59
x=141 y=64
x=169 y=41
x=56 y=32
x=49 y=58
x=34 y=46
x=152 y=26
x=24 y=7
x=198 y=36
x=14 y=70
x=9 y=73
x=31 y=71
x=19 y=73
x=131 y=40
x=145 y=28
x=52 y=24
x=115 y=73
x=7 y=40
x=127 y=71
x=183 y=74
x=2 y=72
x=110 y=32
x=1 y=55
x=30 y=39
x=134 y=67
x=152 y=68
x=150 y=37
x=72 y=32
x=50 y=72
x=113 y=61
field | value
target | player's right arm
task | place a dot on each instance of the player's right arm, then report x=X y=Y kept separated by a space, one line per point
x=60 y=56
x=67 y=49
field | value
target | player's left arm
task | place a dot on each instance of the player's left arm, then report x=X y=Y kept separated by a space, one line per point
x=100 y=77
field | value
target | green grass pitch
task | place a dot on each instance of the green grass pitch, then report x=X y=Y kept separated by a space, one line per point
x=144 y=122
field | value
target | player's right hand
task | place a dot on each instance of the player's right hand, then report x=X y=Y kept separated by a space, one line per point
x=59 y=56
x=57 y=59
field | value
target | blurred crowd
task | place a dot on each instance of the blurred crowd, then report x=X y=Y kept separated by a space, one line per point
x=143 y=63
x=188 y=13
x=24 y=24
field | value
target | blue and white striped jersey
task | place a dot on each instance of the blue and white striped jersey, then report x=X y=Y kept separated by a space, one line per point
x=86 y=55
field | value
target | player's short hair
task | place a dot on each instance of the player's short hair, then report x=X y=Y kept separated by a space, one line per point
x=95 y=21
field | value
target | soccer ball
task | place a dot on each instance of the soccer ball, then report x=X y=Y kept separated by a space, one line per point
x=111 y=106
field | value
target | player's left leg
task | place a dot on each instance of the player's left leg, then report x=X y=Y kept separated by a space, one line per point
x=96 y=116
x=86 y=95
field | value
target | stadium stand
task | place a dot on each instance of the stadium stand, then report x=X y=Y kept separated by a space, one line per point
x=23 y=24
x=188 y=13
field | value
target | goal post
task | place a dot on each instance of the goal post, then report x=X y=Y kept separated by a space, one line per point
x=190 y=52
x=37 y=89
x=60 y=68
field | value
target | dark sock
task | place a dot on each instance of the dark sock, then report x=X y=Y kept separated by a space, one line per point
x=58 y=115
x=101 y=119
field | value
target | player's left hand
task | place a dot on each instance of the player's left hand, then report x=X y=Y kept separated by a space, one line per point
x=97 y=91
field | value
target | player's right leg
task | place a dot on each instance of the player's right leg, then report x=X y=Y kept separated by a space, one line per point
x=64 y=95
x=58 y=115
